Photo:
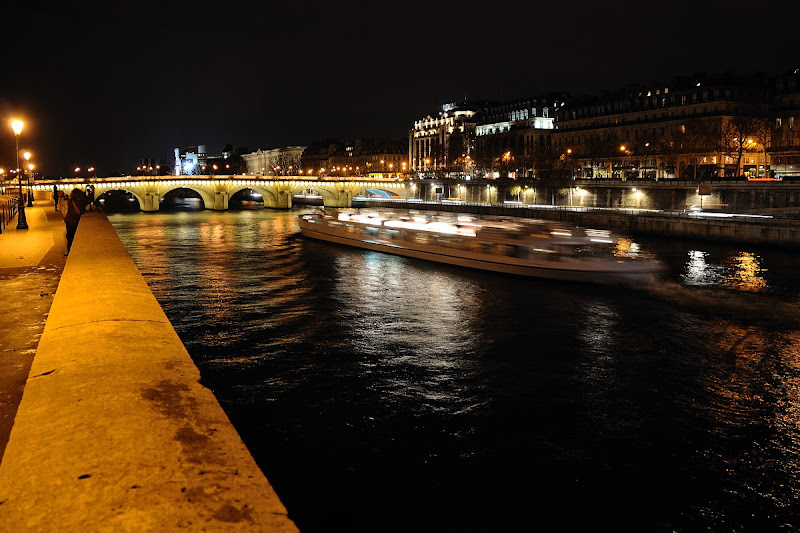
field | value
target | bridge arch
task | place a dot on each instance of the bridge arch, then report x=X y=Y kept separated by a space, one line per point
x=245 y=198
x=100 y=192
x=329 y=196
x=378 y=193
x=208 y=198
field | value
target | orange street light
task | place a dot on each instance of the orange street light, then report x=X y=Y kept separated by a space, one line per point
x=22 y=221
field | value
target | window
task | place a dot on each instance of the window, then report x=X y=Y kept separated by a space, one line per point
x=777 y=122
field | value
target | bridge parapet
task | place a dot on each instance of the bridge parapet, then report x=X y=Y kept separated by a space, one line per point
x=216 y=191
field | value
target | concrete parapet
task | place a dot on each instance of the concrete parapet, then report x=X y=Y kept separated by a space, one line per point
x=114 y=431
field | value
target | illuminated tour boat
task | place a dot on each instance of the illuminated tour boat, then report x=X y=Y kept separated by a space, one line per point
x=521 y=246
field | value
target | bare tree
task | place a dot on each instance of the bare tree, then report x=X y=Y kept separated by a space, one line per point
x=285 y=164
x=748 y=127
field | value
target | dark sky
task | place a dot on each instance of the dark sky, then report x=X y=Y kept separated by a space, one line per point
x=107 y=84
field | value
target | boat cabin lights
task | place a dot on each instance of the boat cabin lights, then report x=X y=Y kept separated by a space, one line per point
x=434 y=227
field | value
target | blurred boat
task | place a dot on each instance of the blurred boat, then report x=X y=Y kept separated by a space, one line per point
x=521 y=246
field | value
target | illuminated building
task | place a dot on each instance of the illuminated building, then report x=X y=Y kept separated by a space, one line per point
x=442 y=143
x=359 y=157
x=511 y=135
x=680 y=129
x=195 y=160
x=284 y=161
x=784 y=148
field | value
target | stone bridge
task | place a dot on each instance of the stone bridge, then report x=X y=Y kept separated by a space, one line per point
x=216 y=191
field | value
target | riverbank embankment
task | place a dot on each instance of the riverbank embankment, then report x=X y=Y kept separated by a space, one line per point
x=114 y=431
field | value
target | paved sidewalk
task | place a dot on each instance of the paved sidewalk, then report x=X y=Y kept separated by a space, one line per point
x=31 y=262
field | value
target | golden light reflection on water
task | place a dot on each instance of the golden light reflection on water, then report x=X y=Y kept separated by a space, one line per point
x=212 y=272
x=745 y=273
x=153 y=256
x=742 y=271
x=753 y=380
x=626 y=248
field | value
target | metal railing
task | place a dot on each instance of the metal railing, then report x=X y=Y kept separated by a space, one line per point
x=8 y=210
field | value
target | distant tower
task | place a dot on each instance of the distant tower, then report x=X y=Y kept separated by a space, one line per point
x=178 y=161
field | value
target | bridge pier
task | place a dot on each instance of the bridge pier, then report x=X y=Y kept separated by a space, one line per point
x=343 y=199
x=220 y=201
x=151 y=202
x=284 y=199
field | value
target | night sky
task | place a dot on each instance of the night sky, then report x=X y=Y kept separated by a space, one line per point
x=107 y=84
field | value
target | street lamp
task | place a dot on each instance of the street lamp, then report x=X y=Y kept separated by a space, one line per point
x=27 y=156
x=22 y=222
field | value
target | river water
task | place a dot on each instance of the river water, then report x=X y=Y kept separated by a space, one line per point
x=381 y=393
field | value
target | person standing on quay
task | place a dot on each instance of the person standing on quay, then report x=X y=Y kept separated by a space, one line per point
x=90 y=196
x=55 y=196
x=75 y=207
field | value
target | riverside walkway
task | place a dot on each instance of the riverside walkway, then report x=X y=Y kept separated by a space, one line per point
x=110 y=428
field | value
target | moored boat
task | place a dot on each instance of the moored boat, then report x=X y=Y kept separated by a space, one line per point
x=521 y=246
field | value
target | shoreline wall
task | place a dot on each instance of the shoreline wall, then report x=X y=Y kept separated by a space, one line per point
x=115 y=431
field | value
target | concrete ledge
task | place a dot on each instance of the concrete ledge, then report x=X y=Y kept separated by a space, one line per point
x=114 y=431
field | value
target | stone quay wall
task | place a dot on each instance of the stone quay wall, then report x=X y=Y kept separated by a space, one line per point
x=115 y=432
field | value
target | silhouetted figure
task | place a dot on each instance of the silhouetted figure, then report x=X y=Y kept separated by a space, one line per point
x=90 y=196
x=75 y=207
x=55 y=196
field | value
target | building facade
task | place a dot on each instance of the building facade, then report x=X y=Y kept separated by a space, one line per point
x=195 y=160
x=513 y=138
x=444 y=142
x=359 y=157
x=784 y=148
x=697 y=127
x=285 y=161
x=484 y=139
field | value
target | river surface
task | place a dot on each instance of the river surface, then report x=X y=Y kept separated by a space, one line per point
x=381 y=393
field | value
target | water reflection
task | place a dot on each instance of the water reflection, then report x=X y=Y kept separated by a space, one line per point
x=698 y=271
x=625 y=247
x=598 y=333
x=741 y=271
x=746 y=273
x=413 y=328
x=750 y=390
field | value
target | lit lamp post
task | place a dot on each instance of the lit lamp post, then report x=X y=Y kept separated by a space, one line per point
x=29 y=167
x=30 y=187
x=22 y=222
